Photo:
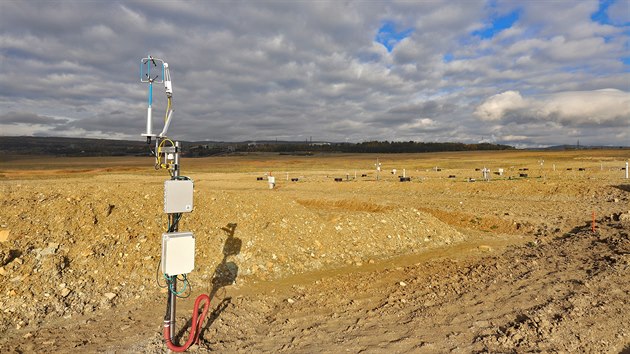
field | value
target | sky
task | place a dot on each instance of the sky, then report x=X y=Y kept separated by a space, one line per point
x=522 y=73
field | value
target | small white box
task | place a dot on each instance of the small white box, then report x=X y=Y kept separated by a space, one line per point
x=178 y=253
x=178 y=196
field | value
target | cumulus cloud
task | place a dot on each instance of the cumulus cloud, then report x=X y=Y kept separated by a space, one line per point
x=498 y=106
x=619 y=12
x=28 y=118
x=289 y=70
x=609 y=107
x=420 y=124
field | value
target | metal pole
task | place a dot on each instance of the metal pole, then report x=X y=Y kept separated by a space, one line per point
x=176 y=167
x=149 y=118
x=172 y=294
x=173 y=298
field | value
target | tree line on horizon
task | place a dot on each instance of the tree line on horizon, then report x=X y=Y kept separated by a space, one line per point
x=101 y=147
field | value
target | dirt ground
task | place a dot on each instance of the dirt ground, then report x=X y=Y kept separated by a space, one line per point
x=437 y=264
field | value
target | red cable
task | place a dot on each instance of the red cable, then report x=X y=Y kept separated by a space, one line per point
x=195 y=327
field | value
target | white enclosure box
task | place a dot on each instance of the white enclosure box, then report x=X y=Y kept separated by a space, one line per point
x=178 y=196
x=178 y=253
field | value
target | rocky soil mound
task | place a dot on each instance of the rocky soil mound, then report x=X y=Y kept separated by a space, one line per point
x=78 y=245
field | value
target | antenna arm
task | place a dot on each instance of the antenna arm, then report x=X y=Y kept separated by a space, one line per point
x=168 y=117
x=168 y=88
x=146 y=76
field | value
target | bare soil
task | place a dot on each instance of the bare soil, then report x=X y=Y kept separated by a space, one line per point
x=437 y=264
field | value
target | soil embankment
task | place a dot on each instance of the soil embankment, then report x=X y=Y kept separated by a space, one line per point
x=435 y=265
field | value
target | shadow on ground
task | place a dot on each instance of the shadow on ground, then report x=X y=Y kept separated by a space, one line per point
x=224 y=274
x=623 y=187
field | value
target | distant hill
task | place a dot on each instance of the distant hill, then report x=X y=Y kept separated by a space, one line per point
x=581 y=147
x=102 y=147
x=568 y=147
x=28 y=145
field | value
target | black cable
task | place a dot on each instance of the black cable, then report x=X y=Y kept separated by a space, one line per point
x=157 y=275
x=167 y=316
x=188 y=287
x=187 y=291
x=174 y=222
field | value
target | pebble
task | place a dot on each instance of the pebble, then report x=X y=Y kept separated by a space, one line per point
x=109 y=296
x=65 y=292
x=403 y=284
x=48 y=251
x=481 y=323
x=4 y=235
x=290 y=300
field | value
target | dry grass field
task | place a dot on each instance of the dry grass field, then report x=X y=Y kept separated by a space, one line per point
x=437 y=264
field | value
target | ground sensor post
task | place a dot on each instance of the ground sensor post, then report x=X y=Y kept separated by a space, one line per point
x=178 y=248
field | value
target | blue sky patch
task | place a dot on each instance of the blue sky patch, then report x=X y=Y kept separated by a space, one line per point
x=601 y=15
x=497 y=24
x=389 y=37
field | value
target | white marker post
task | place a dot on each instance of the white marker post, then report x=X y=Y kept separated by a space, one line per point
x=626 y=169
x=486 y=174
